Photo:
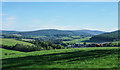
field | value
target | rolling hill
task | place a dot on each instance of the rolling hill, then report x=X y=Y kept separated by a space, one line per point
x=54 y=32
x=8 y=32
x=12 y=42
x=93 y=32
x=106 y=37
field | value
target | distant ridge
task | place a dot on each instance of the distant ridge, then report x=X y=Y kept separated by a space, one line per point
x=94 y=32
x=54 y=32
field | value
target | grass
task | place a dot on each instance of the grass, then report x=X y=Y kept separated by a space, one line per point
x=12 y=42
x=97 y=57
x=39 y=36
x=65 y=38
x=76 y=36
x=77 y=41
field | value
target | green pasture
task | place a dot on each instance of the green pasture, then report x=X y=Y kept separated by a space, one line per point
x=77 y=41
x=76 y=36
x=65 y=38
x=96 y=57
x=12 y=42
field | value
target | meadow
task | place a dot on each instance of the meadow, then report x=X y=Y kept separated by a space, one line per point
x=59 y=35
x=96 y=57
x=12 y=42
x=87 y=57
x=77 y=41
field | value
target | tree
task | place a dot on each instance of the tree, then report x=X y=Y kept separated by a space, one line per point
x=84 y=43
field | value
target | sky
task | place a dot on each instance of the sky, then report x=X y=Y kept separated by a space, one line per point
x=30 y=16
x=60 y=0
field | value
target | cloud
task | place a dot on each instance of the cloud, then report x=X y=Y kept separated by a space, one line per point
x=11 y=18
x=9 y=22
x=3 y=14
x=101 y=29
x=91 y=28
x=60 y=27
x=36 y=21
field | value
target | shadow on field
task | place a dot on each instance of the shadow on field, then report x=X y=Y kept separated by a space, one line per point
x=49 y=59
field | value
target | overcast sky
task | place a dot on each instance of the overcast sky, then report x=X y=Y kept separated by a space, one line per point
x=26 y=16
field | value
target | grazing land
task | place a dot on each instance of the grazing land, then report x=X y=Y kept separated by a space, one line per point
x=59 y=35
x=97 y=57
x=77 y=41
x=12 y=42
x=58 y=51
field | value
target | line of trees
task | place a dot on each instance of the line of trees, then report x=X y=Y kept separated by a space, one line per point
x=103 y=45
x=46 y=45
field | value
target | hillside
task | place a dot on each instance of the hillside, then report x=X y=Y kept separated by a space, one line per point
x=63 y=58
x=12 y=42
x=52 y=32
x=106 y=37
x=94 y=32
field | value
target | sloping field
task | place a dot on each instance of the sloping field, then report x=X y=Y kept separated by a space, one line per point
x=99 y=57
x=12 y=42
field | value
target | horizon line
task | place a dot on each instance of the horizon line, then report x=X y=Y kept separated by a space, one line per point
x=57 y=29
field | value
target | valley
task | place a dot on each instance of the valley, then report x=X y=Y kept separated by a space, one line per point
x=59 y=35
x=57 y=50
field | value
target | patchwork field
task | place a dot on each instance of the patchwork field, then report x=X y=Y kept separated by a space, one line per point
x=97 y=57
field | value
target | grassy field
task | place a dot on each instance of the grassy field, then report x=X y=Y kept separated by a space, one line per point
x=65 y=38
x=76 y=36
x=12 y=42
x=77 y=41
x=99 y=57
x=39 y=36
